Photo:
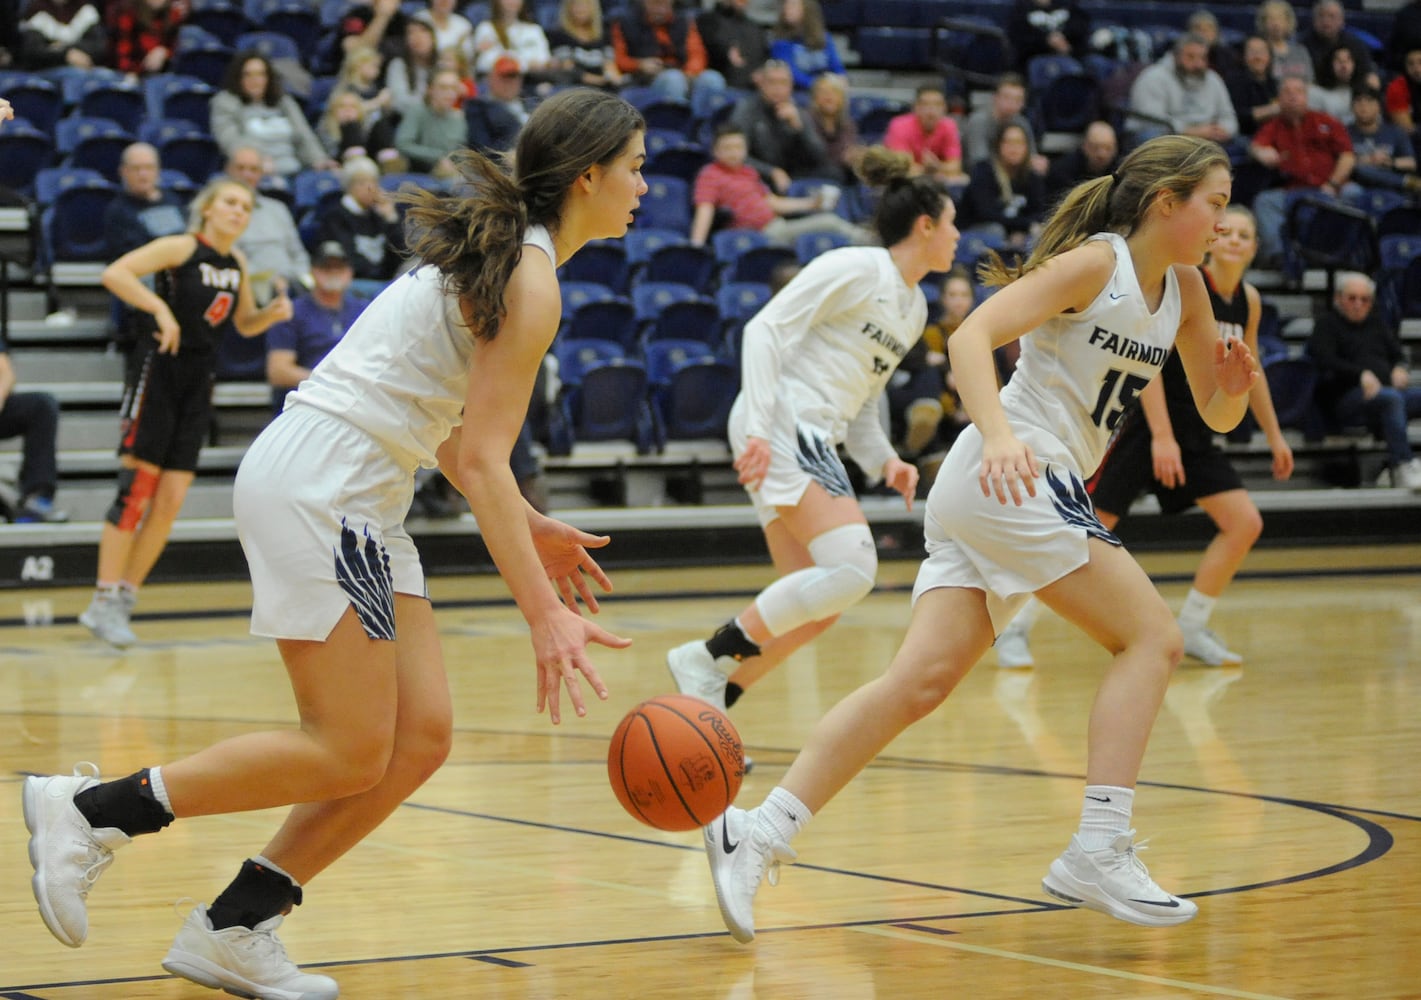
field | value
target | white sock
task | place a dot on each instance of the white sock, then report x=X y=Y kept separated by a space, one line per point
x=1196 y=611
x=785 y=813
x=1025 y=618
x=276 y=868
x=160 y=790
x=1105 y=814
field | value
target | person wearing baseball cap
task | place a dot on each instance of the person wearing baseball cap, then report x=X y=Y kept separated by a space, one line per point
x=317 y=322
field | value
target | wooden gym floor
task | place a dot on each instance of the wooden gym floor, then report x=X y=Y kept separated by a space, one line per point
x=1284 y=796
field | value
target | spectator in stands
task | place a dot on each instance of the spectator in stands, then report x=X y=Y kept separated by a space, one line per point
x=1180 y=93
x=429 y=133
x=143 y=33
x=1223 y=58
x=660 y=48
x=1277 y=22
x=496 y=115
x=1337 y=81
x=1004 y=196
x=1328 y=31
x=138 y=214
x=361 y=72
x=168 y=404
x=980 y=130
x=252 y=109
x=34 y=418
x=828 y=112
x=367 y=226
x=457 y=61
x=801 y=41
x=61 y=33
x=318 y=321
x=956 y=298
x=1405 y=35
x=1046 y=28
x=1306 y=150
x=346 y=129
x=141 y=211
x=735 y=45
x=729 y=184
x=1403 y=95
x=276 y=259
x=1253 y=88
x=581 y=51
x=929 y=135
x=783 y=146
x=408 y=71
x=451 y=30
x=379 y=25
x=511 y=31
x=1385 y=156
x=1364 y=377
x=1097 y=155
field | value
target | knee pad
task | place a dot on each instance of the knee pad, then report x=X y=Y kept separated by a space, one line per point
x=845 y=565
x=135 y=489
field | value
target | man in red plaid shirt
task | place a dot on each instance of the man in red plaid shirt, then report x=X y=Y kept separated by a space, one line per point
x=143 y=33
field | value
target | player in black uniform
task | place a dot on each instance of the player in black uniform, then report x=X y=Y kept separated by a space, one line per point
x=1163 y=446
x=200 y=288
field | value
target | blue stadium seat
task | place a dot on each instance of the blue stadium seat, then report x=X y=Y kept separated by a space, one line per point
x=203 y=60
x=739 y=300
x=602 y=261
x=666 y=204
x=662 y=358
x=33 y=98
x=689 y=265
x=120 y=100
x=72 y=227
x=50 y=181
x=575 y=357
x=171 y=96
x=576 y=294
x=184 y=147
x=674 y=116
x=270 y=44
x=807 y=246
x=683 y=161
x=24 y=152
x=641 y=242
x=729 y=244
x=222 y=19
x=611 y=404
x=895 y=48
x=613 y=319
x=316 y=189
x=694 y=404
x=1292 y=383
x=759 y=263
x=97 y=143
x=297 y=20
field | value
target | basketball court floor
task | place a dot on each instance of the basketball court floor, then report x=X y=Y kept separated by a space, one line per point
x=1284 y=796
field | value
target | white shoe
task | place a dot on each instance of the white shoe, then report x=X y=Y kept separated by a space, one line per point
x=1409 y=474
x=741 y=852
x=107 y=617
x=1014 y=650
x=697 y=674
x=67 y=853
x=1202 y=644
x=246 y=962
x=1114 y=881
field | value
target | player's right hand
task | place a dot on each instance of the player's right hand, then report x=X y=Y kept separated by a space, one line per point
x=560 y=644
x=753 y=463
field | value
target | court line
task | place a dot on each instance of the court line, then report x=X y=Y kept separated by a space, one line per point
x=1135 y=977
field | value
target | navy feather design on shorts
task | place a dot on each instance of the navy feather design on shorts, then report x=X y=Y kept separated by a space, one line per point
x=1072 y=502
x=363 y=572
x=819 y=458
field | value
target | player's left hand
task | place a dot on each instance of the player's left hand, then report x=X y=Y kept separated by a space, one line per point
x=903 y=477
x=1235 y=368
x=562 y=549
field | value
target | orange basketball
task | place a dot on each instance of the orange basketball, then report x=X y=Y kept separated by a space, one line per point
x=675 y=762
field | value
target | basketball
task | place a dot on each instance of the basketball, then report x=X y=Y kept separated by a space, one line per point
x=675 y=762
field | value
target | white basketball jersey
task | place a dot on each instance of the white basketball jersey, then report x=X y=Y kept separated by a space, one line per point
x=400 y=373
x=1078 y=372
x=822 y=350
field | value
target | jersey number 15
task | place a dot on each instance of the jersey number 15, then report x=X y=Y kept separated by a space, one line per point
x=1117 y=392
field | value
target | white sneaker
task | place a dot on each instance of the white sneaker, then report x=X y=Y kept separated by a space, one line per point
x=741 y=852
x=67 y=853
x=697 y=674
x=107 y=617
x=246 y=962
x=1202 y=644
x=1409 y=474
x=1115 y=881
x=1014 y=649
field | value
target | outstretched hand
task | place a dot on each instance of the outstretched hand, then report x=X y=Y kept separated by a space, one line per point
x=562 y=549
x=560 y=645
x=1235 y=368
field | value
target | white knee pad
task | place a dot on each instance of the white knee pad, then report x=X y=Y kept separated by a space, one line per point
x=845 y=565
